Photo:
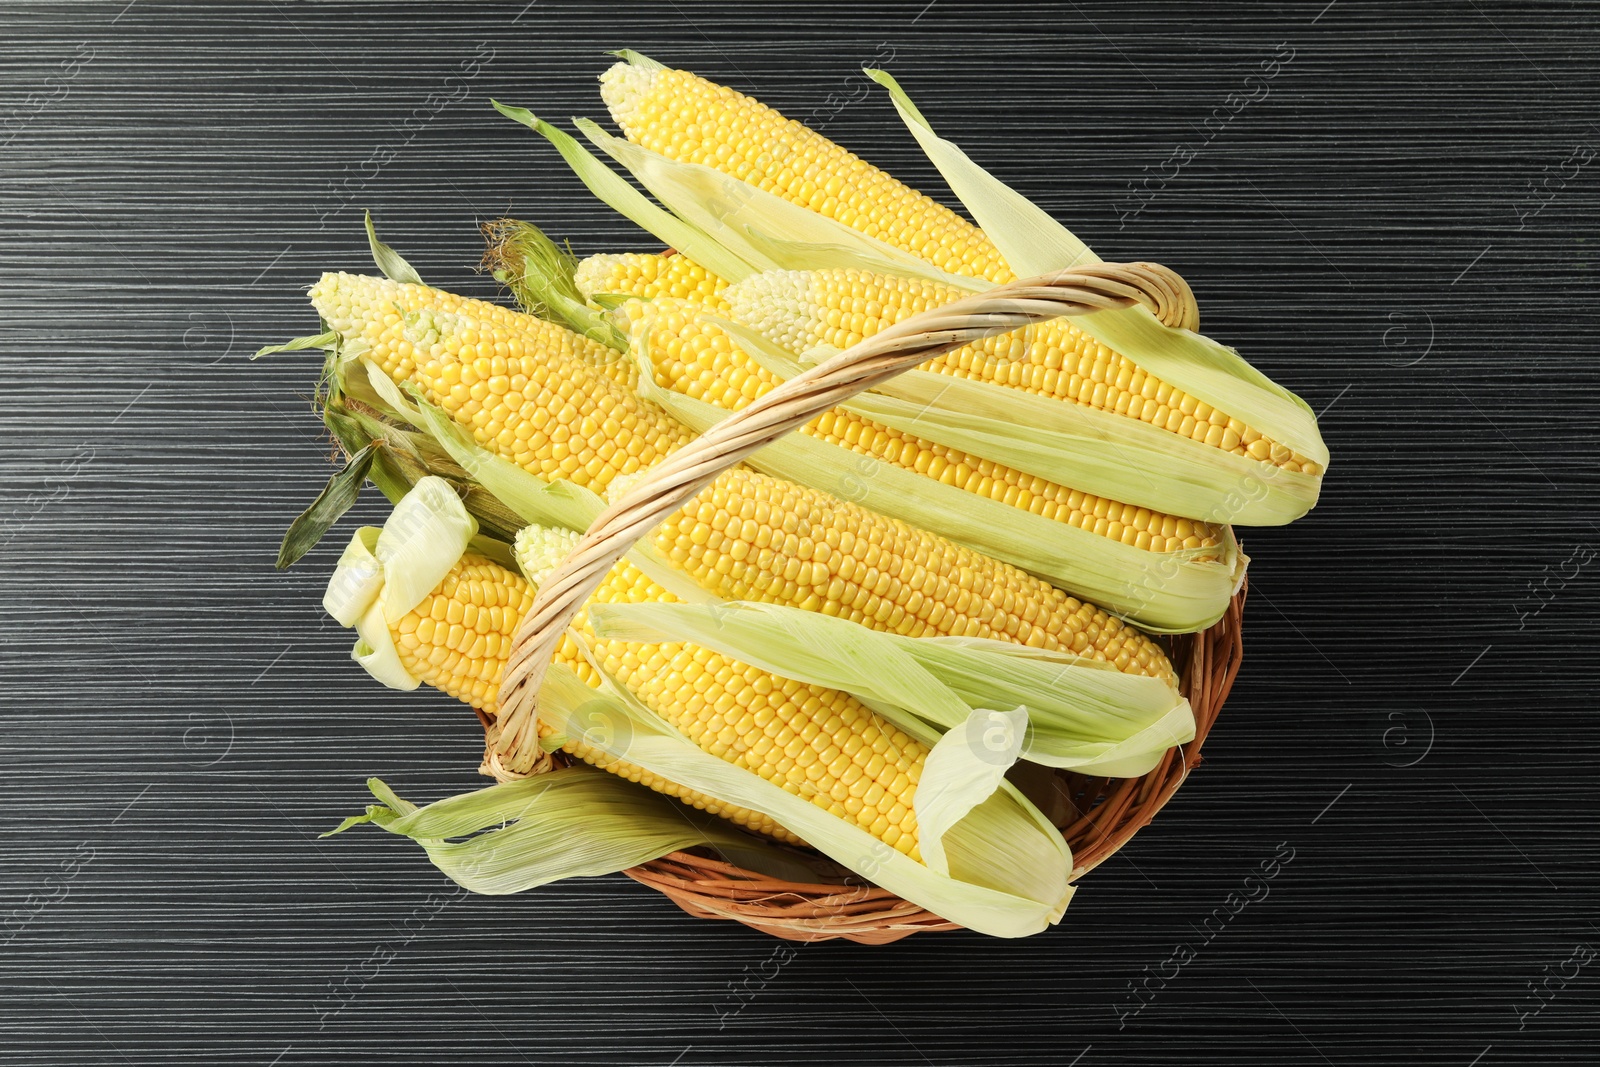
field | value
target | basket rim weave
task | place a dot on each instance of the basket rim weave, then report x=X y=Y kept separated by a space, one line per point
x=1108 y=813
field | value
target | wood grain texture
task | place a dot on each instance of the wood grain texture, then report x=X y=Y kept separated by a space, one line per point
x=1395 y=225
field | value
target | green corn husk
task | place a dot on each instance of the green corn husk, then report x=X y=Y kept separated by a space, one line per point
x=570 y=823
x=1095 y=451
x=402 y=445
x=411 y=439
x=392 y=263
x=1034 y=243
x=378 y=430
x=629 y=202
x=1081 y=715
x=1099 y=452
x=539 y=274
x=761 y=229
x=1006 y=866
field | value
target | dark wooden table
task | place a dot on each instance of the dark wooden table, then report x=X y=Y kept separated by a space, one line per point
x=1399 y=223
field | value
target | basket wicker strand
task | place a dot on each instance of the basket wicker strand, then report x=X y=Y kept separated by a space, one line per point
x=1107 y=812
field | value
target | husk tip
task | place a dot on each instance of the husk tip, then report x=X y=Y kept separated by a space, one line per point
x=518 y=254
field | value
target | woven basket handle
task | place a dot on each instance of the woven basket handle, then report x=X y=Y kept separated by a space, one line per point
x=513 y=741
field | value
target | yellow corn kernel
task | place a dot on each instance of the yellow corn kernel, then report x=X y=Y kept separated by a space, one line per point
x=750 y=537
x=768 y=725
x=648 y=275
x=699 y=359
x=804 y=309
x=685 y=117
x=529 y=390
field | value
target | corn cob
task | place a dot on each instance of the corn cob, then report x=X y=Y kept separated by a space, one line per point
x=648 y=275
x=551 y=401
x=687 y=118
x=802 y=310
x=814 y=742
x=748 y=536
x=699 y=359
x=785 y=533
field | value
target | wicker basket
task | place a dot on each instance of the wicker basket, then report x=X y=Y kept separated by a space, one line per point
x=1100 y=815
